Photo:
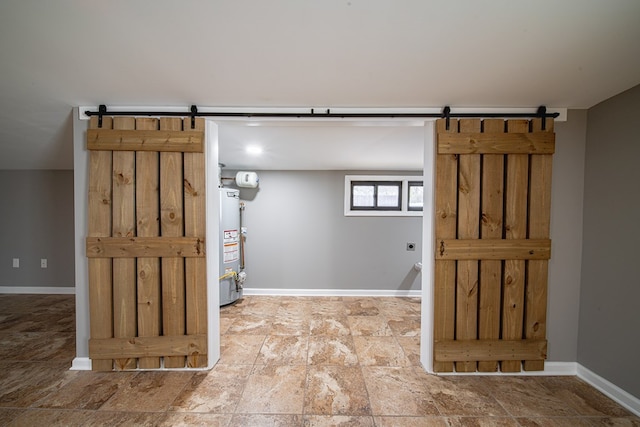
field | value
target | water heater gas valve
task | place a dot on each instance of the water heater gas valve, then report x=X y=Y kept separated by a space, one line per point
x=242 y=276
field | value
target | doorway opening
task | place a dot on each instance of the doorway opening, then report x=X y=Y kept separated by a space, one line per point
x=298 y=240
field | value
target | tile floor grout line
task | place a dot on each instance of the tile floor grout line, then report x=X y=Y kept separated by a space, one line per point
x=306 y=375
x=186 y=384
x=366 y=388
x=244 y=385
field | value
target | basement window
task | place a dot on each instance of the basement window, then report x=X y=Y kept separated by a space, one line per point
x=382 y=195
x=416 y=196
x=376 y=195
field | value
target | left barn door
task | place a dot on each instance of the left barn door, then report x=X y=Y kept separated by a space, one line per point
x=146 y=243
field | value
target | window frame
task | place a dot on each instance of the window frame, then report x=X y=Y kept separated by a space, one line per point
x=414 y=183
x=375 y=184
x=401 y=180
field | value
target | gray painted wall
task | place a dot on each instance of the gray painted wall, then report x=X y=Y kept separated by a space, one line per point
x=36 y=221
x=299 y=238
x=609 y=337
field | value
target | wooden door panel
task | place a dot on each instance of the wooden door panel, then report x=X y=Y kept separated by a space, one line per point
x=146 y=218
x=493 y=186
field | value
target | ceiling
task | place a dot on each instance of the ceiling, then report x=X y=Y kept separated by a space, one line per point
x=322 y=145
x=302 y=53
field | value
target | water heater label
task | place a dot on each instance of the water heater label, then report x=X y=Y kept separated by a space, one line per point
x=231 y=248
x=230 y=236
x=231 y=252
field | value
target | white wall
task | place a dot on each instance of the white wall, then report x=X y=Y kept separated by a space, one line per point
x=81 y=203
x=566 y=237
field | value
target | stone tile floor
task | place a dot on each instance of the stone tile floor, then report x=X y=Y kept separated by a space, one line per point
x=285 y=361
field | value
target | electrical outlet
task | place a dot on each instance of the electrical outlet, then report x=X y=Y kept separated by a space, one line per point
x=16 y=263
x=43 y=263
x=411 y=246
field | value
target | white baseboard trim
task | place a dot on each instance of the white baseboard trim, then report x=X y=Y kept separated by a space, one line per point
x=84 y=364
x=550 y=369
x=609 y=389
x=560 y=368
x=332 y=292
x=81 y=364
x=57 y=290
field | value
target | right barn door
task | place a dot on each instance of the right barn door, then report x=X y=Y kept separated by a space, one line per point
x=493 y=197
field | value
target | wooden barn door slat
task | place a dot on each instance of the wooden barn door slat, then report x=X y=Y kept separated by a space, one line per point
x=124 y=269
x=468 y=228
x=491 y=228
x=539 y=227
x=516 y=196
x=148 y=225
x=194 y=226
x=172 y=225
x=99 y=225
x=445 y=227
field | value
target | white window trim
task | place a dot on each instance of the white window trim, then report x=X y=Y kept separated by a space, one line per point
x=405 y=195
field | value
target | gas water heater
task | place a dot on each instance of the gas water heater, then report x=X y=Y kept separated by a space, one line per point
x=232 y=275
